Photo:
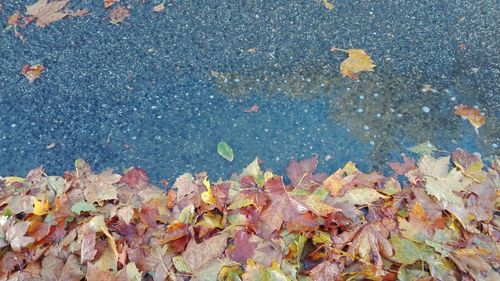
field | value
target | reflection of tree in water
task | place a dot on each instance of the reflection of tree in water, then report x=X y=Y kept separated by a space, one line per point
x=381 y=109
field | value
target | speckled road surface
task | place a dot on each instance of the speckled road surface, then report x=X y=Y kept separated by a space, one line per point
x=162 y=89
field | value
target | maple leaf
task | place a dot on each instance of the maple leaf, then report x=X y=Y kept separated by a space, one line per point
x=470 y=164
x=402 y=168
x=101 y=187
x=469 y=260
x=326 y=271
x=301 y=172
x=474 y=115
x=46 y=12
x=54 y=267
x=439 y=182
x=40 y=207
x=357 y=62
x=135 y=178
x=370 y=243
x=243 y=247
x=13 y=233
x=198 y=255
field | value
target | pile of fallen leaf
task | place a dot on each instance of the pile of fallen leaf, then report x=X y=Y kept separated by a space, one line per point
x=428 y=221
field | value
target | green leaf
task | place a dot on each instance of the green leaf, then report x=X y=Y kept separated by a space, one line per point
x=225 y=151
x=82 y=206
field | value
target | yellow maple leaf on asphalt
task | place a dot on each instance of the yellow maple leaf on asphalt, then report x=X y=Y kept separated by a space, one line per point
x=357 y=62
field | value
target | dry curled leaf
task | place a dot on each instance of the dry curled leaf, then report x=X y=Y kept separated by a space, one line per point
x=357 y=62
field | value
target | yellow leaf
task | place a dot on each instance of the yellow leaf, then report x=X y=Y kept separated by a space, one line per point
x=357 y=62
x=207 y=196
x=328 y=5
x=41 y=208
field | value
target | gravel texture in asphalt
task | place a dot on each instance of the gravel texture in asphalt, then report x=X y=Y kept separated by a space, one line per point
x=160 y=90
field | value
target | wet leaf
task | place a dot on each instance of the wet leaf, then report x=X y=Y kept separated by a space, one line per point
x=32 y=72
x=46 y=12
x=328 y=5
x=423 y=148
x=358 y=61
x=252 y=109
x=159 y=8
x=470 y=164
x=474 y=115
x=225 y=151
x=119 y=14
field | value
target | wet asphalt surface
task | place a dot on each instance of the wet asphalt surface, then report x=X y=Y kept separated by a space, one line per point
x=143 y=93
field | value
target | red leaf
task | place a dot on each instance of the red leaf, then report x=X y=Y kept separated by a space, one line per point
x=243 y=248
x=402 y=168
x=252 y=109
x=302 y=172
x=135 y=178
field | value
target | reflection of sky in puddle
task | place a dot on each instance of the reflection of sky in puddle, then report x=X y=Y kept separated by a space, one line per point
x=390 y=113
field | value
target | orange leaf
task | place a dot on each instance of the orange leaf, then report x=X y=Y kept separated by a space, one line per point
x=109 y=3
x=32 y=72
x=357 y=62
x=472 y=114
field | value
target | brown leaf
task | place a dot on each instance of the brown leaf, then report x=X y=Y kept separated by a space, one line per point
x=371 y=245
x=472 y=114
x=14 y=234
x=101 y=187
x=53 y=268
x=47 y=12
x=326 y=271
x=198 y=255
x=470 y=164
x=119 y=14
